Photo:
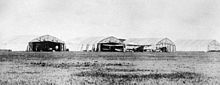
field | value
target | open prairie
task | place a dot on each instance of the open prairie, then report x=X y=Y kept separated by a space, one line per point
x=102 y=68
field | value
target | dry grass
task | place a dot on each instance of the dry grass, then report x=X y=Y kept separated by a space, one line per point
x=79 y=68
x=152 y=79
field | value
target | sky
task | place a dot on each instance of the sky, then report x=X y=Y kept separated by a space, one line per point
x=67 y=19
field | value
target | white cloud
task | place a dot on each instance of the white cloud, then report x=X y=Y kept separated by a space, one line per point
x=130 y=18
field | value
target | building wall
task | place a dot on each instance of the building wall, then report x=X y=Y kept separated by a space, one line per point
x=171 y=47
x=214 y=46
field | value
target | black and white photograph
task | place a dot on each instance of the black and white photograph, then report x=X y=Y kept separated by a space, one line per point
x=109 y=42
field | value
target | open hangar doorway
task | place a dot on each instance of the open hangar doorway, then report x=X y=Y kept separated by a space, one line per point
x=46 y=43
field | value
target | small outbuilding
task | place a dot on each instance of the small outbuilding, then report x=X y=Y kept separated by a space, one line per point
x=198 y=45
x=46 y=43
x=102 y=44
x=150 y=44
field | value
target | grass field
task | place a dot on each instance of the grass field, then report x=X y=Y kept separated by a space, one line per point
x=80 y=68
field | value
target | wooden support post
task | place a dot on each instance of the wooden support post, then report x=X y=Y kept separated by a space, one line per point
x=99 y=47
x=123 y=50
x=62 y=47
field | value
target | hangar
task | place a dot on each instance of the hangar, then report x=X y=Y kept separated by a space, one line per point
x=198 y=45
x=150 y=44
x=102 y=44
x=46 y=43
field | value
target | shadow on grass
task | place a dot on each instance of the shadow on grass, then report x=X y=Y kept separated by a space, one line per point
x=77 y=64
x=26 y=82
x=177 y=75
x=177 y=78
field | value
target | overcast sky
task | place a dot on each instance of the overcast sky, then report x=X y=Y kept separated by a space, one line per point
x=194 y=19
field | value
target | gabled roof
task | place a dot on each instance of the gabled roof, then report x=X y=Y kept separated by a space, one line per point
x=47 y=38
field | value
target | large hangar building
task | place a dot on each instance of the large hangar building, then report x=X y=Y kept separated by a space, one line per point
x=150 y=44
x=102 y=44
x=46 y=43
x=198 y=45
